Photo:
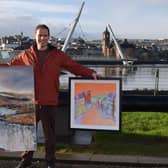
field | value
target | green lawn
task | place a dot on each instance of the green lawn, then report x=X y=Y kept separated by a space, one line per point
x=142 y=133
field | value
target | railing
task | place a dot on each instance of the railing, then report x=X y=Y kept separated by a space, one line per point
x=134 y=77
x=143 y=77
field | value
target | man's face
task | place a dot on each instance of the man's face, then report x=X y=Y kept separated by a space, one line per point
x=41 y=37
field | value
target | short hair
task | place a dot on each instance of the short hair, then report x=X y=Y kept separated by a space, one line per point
x=43 y=26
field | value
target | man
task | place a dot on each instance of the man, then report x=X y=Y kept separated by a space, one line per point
x=48 y=63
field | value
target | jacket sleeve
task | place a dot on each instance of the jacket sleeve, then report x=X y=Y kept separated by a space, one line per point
x=17 y=60
x=4 y=64
x=76 y=68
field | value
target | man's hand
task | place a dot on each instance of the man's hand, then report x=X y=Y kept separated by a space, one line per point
x=95 y=75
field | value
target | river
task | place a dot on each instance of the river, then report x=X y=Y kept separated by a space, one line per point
x=134 y=77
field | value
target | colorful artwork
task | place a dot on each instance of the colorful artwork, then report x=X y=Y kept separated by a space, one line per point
x=17 y=110
x=95 y=104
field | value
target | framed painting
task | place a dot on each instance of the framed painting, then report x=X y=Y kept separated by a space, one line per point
x=17 y=110
x=95 y=104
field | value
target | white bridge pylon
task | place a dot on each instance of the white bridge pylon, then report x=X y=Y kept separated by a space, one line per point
x=72 y=28
x=125 y=59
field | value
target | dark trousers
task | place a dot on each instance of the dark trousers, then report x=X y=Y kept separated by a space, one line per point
x=47 y=116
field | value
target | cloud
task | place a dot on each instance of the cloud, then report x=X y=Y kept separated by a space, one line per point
x=22 y=16
x=156 y=2
x=141 y=17
x=33 y=6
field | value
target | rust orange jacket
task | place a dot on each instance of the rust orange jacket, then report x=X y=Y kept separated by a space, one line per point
x=47 y=76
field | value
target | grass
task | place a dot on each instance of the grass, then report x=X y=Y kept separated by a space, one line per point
x=142 y=133
x=145 y=123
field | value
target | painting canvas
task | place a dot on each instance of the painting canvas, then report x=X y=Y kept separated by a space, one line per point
x=95 y=104
x=17 y=110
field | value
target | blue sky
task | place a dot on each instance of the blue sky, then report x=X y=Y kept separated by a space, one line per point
x=128 y=18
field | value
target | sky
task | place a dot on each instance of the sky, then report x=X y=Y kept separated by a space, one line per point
x=132 y=19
